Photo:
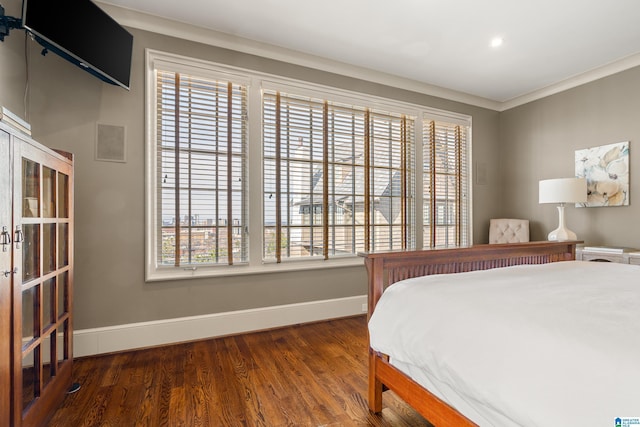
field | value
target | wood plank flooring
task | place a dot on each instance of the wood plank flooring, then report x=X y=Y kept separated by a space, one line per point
x=305 y=375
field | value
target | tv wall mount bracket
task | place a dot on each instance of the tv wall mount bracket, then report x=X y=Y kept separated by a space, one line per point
x=7 y=23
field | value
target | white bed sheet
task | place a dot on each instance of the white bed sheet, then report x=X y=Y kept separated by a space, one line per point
x=531 y=345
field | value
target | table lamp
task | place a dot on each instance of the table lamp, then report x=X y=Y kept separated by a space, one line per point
x=561 y=191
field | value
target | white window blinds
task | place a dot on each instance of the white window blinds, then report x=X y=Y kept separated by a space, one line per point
x=201 y=170
x=446 y=210
x=338 y=179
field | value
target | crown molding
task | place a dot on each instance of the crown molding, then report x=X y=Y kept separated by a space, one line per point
x=143 y=21
x=574 y=81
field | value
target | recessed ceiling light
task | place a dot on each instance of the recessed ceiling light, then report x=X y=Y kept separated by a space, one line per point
x=497 y=41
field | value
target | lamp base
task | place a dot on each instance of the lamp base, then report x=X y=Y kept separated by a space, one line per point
x=562 y=233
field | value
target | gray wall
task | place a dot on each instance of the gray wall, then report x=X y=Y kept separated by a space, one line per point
x=12 y=64
x=538 y=141
x=64 y=105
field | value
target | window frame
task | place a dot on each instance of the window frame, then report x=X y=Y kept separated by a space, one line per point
x=256 y=82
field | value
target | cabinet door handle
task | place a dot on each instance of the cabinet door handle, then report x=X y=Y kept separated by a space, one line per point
x=9 y=272
x=5 y=240
x=18 y=237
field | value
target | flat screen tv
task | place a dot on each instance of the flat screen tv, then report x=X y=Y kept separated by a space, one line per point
x=82 y=33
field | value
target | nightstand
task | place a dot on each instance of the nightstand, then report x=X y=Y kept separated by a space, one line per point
x=609 y=254
x=634 y=258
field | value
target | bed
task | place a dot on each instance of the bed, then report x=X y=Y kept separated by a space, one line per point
x=497 y=348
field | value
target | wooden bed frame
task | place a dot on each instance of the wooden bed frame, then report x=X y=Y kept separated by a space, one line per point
x=384 y=269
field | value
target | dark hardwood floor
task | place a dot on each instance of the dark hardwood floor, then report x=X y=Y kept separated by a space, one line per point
x=305 y=375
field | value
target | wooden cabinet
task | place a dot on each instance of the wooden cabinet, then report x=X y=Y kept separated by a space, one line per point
x=36 y=274
x=5 y=280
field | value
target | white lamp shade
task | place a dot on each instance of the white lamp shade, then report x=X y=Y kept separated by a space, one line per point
x=563 y=190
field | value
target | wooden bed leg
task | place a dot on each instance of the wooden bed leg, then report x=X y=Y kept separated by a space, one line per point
x=375 y=386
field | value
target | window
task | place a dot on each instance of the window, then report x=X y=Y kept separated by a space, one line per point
x=446 y=204
x=337 y=178
x=248 y=172
x=201 y=168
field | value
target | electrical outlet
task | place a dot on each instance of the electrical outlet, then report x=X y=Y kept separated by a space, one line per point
x=364 y=307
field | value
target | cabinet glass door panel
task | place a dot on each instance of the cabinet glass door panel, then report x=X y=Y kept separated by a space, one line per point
x=48 y=302
x=63 y=245
x=63 y=294
x=49 y=248
x=30 y=189
x=62 y=349
x=31 y=252
x=48 y=193
x=63 y=195
x=30 y=378
x=47 y=367
x=30 y=328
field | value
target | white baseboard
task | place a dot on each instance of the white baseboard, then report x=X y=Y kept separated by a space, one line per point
x=87 y=342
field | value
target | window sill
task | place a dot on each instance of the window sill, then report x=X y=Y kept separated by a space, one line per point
x=179 y=273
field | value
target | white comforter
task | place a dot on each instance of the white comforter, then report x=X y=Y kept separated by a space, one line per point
x=533 y=345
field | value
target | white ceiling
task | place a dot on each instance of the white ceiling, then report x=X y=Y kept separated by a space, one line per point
x=444 y=43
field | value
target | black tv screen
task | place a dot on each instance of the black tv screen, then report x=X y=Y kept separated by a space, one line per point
x=82 y=33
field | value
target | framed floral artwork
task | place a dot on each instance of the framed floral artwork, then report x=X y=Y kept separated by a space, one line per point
x=606 y=169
